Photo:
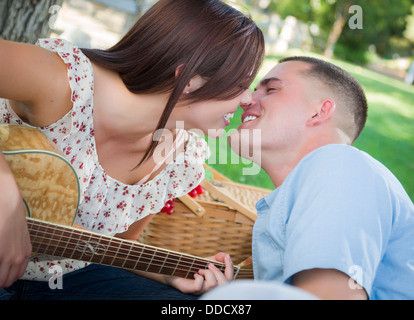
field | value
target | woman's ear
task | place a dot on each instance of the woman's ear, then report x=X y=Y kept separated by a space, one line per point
x=324 y=112
x=194 y=84
x=178 y=70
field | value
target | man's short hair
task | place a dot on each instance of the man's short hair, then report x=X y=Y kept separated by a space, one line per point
x=346 y=87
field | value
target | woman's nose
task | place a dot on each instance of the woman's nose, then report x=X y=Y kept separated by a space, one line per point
x=246 y=99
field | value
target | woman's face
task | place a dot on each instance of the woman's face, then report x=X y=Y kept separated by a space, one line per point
x=211 y=116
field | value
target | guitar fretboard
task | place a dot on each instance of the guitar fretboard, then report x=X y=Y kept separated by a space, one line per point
x=67 y=242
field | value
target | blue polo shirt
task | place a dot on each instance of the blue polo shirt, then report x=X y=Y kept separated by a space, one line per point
x=338 y=209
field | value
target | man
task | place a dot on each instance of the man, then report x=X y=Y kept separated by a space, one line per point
x=339 y=225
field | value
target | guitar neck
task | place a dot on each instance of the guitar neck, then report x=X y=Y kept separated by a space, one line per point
x=68 y=242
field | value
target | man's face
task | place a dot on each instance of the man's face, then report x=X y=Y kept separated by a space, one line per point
x=282 y=104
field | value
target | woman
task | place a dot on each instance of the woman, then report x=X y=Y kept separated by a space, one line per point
x=185 y=64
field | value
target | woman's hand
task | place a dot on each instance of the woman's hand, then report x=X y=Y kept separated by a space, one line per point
x=206 y=279
x=15 y=246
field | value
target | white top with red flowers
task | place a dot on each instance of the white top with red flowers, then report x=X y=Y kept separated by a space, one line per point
x=107 y=206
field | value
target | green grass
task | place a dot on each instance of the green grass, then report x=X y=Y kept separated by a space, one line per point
x=388 y=135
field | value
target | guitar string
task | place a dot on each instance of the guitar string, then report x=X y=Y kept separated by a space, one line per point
x=145 y=252
x=152 y=265
x=147 y=261
x=194 y=265
x=186 y=267
x=195 y=262
x=119 y=242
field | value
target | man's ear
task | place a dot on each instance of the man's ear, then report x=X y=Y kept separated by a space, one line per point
x=324 y=112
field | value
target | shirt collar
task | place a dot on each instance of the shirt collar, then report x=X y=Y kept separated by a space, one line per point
x=265 y=202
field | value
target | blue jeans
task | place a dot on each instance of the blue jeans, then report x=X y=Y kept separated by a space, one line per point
x=95 y=282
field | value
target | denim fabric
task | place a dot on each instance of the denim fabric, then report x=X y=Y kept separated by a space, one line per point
x=95 y=282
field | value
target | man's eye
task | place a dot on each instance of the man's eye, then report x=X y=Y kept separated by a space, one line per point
x=271 y=90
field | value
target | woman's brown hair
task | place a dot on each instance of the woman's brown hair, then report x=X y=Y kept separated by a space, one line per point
x=205 y=37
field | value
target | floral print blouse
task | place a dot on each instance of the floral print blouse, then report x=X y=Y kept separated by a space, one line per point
x=107 y=206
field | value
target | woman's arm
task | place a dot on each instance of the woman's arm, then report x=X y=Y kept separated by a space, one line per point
x=35 y=81
x=204 y=280
x=15 y=246
x=135 y=229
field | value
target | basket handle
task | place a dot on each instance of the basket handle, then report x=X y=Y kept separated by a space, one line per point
x=193 y=205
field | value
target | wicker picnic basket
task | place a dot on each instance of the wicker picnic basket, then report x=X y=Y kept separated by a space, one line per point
x=220 y=219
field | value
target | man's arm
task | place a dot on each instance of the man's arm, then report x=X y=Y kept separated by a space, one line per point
x=340 y=223
x=329 y=284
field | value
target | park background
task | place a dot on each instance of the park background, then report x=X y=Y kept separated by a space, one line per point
x=373 y=40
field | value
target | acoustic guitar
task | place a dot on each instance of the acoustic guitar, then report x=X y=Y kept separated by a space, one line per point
x=50 y=189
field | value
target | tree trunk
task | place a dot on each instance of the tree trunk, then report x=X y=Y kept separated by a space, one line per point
x=27 y=20
x=342 y=12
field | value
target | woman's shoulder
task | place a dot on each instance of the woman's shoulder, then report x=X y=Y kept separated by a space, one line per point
x=68 y=51
x=39 y=91
x=79 y=74
x=79 y=67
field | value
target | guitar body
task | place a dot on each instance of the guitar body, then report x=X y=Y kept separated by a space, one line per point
x=50 y=189
x=47 y=181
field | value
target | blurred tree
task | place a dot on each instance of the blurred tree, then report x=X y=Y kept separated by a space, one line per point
x=303 y=10
x=409 y=31
x=381 y=22
x=27 y=21
x=341 y=15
